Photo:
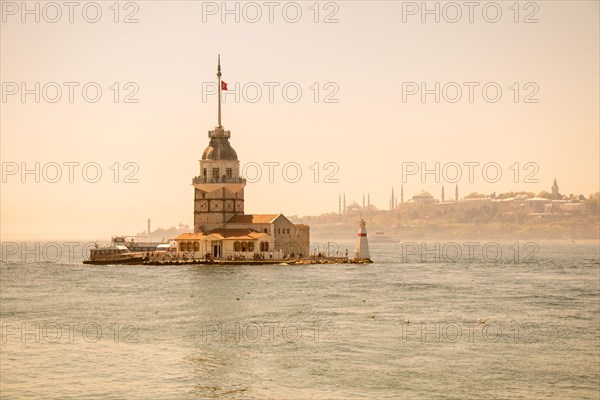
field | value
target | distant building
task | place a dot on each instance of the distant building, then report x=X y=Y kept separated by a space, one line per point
x=536 y=204
x=555 y=192
x=354 y=208
x=563 y=206
x=466 y=204
x=423 y=198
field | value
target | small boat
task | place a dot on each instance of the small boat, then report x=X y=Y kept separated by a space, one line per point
x=134 y=246
x=114 y=254
x=379 y=237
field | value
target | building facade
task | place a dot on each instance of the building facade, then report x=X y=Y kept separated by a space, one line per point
x=227 y=244
x=292 y=239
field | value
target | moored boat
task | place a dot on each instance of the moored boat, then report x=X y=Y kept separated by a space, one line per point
x=114 y=254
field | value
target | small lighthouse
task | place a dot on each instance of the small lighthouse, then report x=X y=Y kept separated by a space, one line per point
x=361 y=252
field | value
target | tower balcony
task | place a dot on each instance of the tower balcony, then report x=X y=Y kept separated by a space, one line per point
x=223 y=179
x=208 y=185
x=219 y=132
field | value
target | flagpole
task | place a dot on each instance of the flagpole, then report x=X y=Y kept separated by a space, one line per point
x=219 y=78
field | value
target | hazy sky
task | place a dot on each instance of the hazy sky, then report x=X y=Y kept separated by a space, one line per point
x=371 y=61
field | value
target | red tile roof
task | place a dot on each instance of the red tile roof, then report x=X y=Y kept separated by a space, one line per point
x=252 y=219
x=220 y=234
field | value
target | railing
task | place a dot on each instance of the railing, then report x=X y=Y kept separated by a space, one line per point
x=222 y=133
x=202 y=179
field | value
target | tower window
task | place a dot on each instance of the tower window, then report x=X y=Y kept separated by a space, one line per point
x=229 y=173
x=204 y=172
x=215 y=173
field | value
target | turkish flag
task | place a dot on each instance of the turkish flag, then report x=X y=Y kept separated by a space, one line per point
x=223 y=85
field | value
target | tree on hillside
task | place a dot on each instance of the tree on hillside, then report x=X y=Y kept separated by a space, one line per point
x=475 y=195
x=514 y=194
x=545 y=195
x=592 y=204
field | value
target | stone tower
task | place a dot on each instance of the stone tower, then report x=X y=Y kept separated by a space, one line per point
x=555 y=188
x=219 y=189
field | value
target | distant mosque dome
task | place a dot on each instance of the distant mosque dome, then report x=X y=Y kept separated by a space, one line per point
x=219 y=148
x=423 y=197
x=354 y=208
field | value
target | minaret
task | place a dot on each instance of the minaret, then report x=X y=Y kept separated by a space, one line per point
x=344 y=203
x=456 y=193
x=363 y=207
x=402 y=194
x=442 y=193
x=148 y=226
x=219 y=189
x=393 y=200
x=340 y=203
x=361 y=250
x=369 y=200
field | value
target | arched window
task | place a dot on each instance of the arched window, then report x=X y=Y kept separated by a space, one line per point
x=196 y=246
x=244 y=246
x=251 y=246
x=236 y=246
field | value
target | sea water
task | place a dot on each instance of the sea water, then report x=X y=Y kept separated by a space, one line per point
x=416 y=324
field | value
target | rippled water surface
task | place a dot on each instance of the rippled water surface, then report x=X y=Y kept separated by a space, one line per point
x=398 y=328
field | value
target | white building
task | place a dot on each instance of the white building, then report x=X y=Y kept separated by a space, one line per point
x=227 y=244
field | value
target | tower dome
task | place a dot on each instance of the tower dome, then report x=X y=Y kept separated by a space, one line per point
x=219 y=148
